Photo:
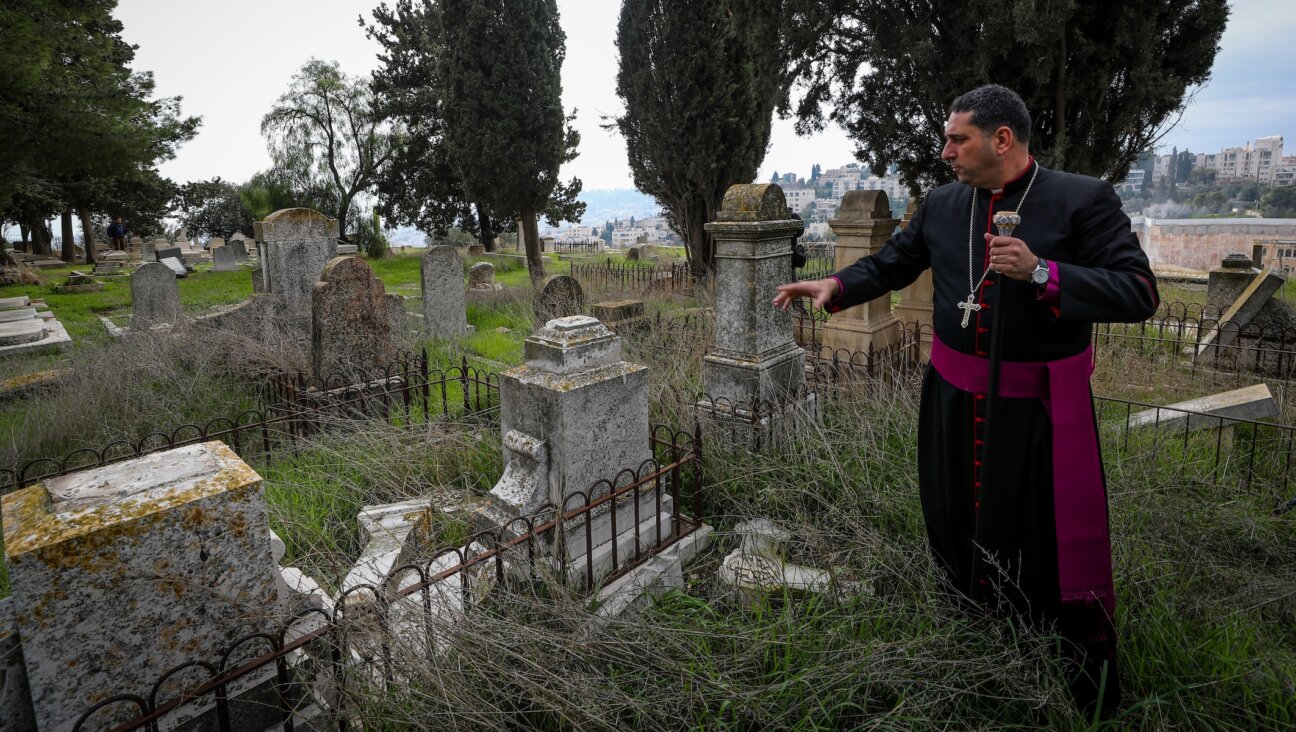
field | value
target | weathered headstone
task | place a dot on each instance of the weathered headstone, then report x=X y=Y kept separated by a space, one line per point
x=481 y=276
x=445 y=312
x=915 y=304
x=620 y=315
x=862 y=226
x=215 y=243
x=347 y=250
x=155 y=296
x=239 y=249
x=121 y=572
x=224 y=260
x=298 y=243
x=351 y=327
x=392 y=532
x=1248 y=305
x=476 y=250
x=575 y=384
x=754 y=359
x=176 y=266
x=558 y=296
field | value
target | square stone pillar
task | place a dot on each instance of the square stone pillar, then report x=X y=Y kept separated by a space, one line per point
x=863 y=225
x=915 y=304
x=755 y=358
x=121 y=572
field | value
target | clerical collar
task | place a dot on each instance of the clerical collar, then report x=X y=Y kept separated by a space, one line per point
x=1018 y=182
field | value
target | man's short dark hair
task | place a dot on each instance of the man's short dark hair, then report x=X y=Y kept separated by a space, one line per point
x=993 y=106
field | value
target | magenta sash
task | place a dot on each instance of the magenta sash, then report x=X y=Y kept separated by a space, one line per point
x=1079 y=499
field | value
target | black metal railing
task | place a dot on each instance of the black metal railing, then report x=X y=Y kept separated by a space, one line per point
x=675 y=277
x=377 y=617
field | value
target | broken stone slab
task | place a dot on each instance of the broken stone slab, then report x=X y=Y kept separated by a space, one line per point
x=393 y=532
x=121 y=572
x=1243 y=310
x=56 y=338
x=1252 y=403
x=176 y=266
x=758 y=568
x=651 y=579
x=347 y=250
x=524 y=487
x=9 y=303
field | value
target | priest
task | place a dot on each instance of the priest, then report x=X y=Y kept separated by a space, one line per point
x=1011 y=482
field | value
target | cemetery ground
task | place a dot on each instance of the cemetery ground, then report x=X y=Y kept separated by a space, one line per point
x=1205 y=568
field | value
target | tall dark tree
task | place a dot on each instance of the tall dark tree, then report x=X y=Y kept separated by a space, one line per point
x=501 y=93
x=213 y=208
x=77 y=126
x=1103 y=80
x=700 y=83
x=325 y=133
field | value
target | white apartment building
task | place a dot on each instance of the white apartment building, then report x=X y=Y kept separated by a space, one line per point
x=1133 y=182
x=628 y=237
x=1260 y=161
x=797 y=197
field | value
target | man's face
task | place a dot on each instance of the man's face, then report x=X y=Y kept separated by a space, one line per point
x=117 y=220
x=968 y=150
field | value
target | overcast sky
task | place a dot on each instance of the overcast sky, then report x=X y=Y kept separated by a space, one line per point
x=230 y=60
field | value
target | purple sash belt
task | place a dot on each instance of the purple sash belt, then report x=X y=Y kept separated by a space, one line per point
x=1079 y=499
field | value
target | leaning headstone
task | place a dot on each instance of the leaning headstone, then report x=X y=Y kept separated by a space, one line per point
x=445 y=312
x=155 y=296
x=481 y=276
x=176 y=266
x=298 y=243
x=224 y=259
x=351 y=327
x=119 y=573
x=1243 y=310
x=1217 y=410
x=559 y=296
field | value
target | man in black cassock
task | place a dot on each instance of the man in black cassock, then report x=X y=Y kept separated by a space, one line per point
x=1015 y=508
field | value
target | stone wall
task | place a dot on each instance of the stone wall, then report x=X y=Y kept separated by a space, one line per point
x=1201 y=244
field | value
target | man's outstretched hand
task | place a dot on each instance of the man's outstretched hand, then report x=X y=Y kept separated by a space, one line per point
x=820 y=291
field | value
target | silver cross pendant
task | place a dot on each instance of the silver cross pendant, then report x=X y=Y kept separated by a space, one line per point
x=967 y=307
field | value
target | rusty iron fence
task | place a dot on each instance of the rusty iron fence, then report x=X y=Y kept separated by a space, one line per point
x=406 y=392
x=443 y=585
x=674 y=277
x=1220 y=352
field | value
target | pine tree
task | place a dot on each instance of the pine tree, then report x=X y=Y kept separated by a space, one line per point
x=700 y=82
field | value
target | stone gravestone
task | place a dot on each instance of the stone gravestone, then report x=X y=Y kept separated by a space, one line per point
x=215 y=243
x=559 y=296
x=351 y=328
x=155 y=296
x=755 y=358
x=575 y=384
x=862 y=226
x=224 y=259
x=445 y=312
x=239 y=250
x=119 y=573
x=298 y=243
x=481 y=276
x=915 y=304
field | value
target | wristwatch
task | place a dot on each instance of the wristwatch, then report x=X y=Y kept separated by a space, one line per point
x=1040 y=275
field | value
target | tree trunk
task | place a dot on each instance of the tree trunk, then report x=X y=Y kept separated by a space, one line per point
x=699 y=251
x=69 y=238
x=484 y=225
x=87 y=231
x=531 y=236
x=40 y=239
x=342 y=219
x=24 y=235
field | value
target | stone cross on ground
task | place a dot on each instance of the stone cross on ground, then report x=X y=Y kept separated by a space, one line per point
x=351 y=326
x=155 y=296
x=445 y=312
x=298 y=243
x=862 y=226
x=754 y=357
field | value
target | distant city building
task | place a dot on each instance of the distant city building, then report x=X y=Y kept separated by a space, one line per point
x=1133 y=182
x=798 y=198
x=1260 y=160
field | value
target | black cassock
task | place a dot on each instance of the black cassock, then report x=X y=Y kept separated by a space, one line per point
x=990 y=515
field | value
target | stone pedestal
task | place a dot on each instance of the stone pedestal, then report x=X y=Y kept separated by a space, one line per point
x=863 y=226
x=915 y=304
x=754 y=359
x=121 y=572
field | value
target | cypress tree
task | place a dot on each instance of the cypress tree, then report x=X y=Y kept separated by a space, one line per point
x=700 y=81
